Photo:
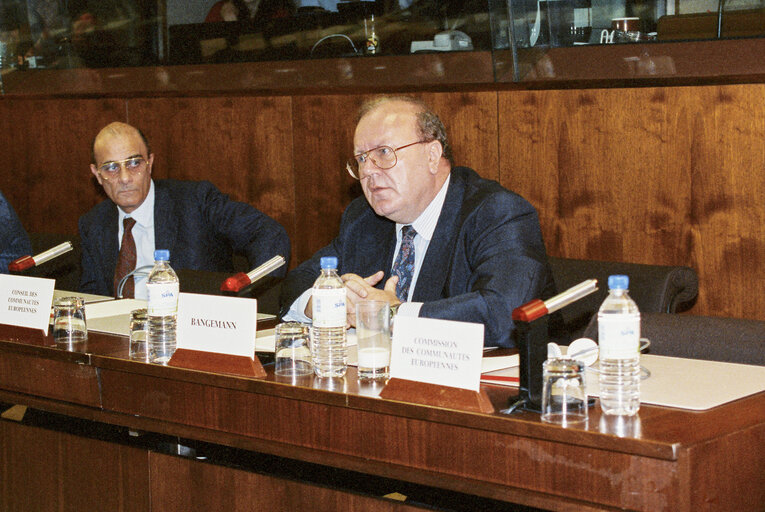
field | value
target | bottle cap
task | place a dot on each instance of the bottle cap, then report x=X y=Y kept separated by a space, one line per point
x=618 y=282
x=328 y=262
x=161 y=255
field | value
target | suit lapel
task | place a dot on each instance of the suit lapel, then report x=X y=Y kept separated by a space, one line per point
x=165 y=230
x=436 y=265
x=110 y=244
x=374 y=251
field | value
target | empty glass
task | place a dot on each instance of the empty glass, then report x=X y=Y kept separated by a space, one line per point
x=564 y=397
x=293 y=350
x=139 y=324
x=69 y=325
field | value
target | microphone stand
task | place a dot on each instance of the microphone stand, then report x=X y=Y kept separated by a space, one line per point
x=531 y=337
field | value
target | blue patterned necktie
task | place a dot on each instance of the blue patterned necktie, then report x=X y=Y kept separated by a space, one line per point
x=404 y=264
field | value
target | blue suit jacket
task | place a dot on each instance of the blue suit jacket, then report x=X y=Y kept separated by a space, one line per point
x=14 y=241
x=200 y=226
x=486 y=257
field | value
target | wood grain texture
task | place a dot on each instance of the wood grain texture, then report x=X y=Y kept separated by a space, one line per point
x=44 y=470
x=243 y=145
x=47 y=147
x=76 y=382
x=653 y=463
x=235 y=490
x=658 y=175
x=653 y=175
x=573 y=465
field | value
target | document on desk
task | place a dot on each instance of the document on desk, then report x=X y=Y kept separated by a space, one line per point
x=675 y=382
x=113 y=316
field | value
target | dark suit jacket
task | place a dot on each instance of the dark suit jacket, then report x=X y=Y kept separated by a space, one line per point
x=14 y=241
x=486 y=257
x=200 y=226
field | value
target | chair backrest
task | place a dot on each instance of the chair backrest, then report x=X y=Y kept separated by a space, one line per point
x=654 y=288
x=732 y=340
x=266 y=290
x=65 y=269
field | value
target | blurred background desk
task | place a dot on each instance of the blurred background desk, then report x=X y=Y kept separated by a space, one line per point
x=244 y=444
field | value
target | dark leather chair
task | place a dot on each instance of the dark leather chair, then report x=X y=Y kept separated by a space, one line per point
x=732 y=340
x=266 y=290
x=65 y=269
x=654 y=288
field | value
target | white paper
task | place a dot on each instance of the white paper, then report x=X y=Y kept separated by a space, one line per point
x=26 y=301
x=692 y=383
x=683 y=383
x=212 y=323
x=491 y=364
x=112 y=308
x=442 y=352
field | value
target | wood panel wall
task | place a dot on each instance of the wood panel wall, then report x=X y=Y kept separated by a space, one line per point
x=648 y=175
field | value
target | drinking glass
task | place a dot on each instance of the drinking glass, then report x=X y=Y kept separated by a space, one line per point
x=69 y=325
x=293 y=352
x=139 y=324
x=564 y=397
x=373 y=339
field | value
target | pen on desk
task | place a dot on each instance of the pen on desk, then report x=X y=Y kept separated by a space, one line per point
x=500 y=378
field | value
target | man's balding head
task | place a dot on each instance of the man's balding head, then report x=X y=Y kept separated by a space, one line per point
x=117 y=143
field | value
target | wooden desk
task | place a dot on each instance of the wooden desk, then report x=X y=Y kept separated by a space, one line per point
x=673 y=460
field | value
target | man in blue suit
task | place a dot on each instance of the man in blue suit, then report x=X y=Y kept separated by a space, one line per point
x=200 y=225
x=14 y=241
x=477 y=248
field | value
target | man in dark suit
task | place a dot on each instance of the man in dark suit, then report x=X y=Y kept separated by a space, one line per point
x=14 y=241
x=477 y=247
x=200 y=225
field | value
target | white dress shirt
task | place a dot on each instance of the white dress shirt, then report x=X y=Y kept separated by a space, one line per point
x=425 y=226
x=143 y=234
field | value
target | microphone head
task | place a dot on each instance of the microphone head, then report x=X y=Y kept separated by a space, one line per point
x=235 y=282
x=22 y=263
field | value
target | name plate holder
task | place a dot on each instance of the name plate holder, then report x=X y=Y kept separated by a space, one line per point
x=215 y=362
x=217 y=334
x=424 y=393
x=437 y=363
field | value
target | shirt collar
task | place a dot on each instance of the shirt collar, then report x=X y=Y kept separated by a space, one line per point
x=425 y=224
x=144 y=214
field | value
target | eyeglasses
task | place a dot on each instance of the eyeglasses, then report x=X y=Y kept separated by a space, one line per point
x=383 y=157
x=134 y=165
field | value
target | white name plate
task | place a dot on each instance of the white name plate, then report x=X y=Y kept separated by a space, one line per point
x=212 y=323
x=26 y=301
x=442 y=352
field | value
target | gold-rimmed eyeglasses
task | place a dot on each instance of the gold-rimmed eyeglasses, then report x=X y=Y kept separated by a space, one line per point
x=384 y=157
x=111 y=170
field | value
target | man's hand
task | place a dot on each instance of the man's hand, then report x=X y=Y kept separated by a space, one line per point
x=363 y=288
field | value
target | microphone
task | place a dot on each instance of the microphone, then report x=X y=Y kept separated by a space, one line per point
x=538 y=308
x=531 y=337
x=240 y=280
x=26 y=262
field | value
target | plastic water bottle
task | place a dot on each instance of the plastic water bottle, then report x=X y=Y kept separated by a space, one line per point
x=328 y=347
x=163 y=288
x=619 y=340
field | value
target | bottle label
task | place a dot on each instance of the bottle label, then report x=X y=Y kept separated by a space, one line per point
x=328 y=307
x=163 y=298
x=619 y=336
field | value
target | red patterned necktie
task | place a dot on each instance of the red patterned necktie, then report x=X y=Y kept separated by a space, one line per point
x=404 y=264
x=126 y=261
